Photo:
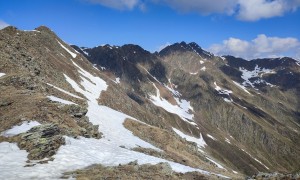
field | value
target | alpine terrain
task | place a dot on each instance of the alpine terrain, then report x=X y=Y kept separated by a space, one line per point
x=121 y=112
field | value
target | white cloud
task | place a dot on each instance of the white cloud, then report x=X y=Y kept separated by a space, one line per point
x=117 y=4
x=261 y=46
x=253 y=10
x=3 y=24
x=245 y=10
x=202 y=6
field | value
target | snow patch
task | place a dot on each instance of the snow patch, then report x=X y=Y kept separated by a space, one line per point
x=70 y=52
x=56 y=99
x=201 y=62
x=15 y=130
x=227 y=140
x=228 y=100
x=222 y=91
x=77 y=154
x=117 y=81
x=242 y=87
x=2 y=74
x=199 y=141
x=172 y=90
x=203 y=69
x=182 y=109
x=84 y=51
x=95 y=67
x=195 y=73
x=211 y=137
x=102 y=68
x=32 y=31
x=66 y=92
x=257 y=72
x=223 y=58
x=207 y=53
x=217 y=164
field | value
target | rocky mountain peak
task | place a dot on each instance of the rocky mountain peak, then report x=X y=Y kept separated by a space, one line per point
x=185 y=47
x=44 y=29
x=10 y=30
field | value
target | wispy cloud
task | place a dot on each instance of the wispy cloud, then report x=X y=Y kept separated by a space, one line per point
x=117 y=4
x=245 y=10
x=261 y=46
x=204 y=7
x=3 y=24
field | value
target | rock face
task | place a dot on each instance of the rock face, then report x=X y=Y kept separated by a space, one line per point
x=263 y=176
x=42 y=141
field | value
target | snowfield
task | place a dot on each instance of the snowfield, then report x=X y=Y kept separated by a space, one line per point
x=257 y=72
x=15 y=130
x=82 y=152
x=62 y=101
x=183 y=108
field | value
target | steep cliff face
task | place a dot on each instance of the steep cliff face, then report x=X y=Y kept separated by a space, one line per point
x=246 y=111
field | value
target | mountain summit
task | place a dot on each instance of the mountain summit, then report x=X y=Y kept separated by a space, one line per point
x=182 y=113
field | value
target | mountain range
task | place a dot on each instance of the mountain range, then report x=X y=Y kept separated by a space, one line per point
x=181 y=113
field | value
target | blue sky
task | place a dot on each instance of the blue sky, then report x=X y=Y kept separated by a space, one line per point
x=245 y=28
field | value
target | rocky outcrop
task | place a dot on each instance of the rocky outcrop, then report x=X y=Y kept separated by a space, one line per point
x=42 y=141
x=133 y=171
x=274 y=176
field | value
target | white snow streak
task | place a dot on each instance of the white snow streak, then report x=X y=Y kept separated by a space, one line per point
x=222 y=91
x=56 y=99
x=228 y=100
x=15 y=130
x=211 y=137
x=66 y=92
x=242 y=87
x=255 y=159
x=2 y=74
x=70 y=52
x=227 y=140
x=199 y=141
x=171 y=89
x=217 y=164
